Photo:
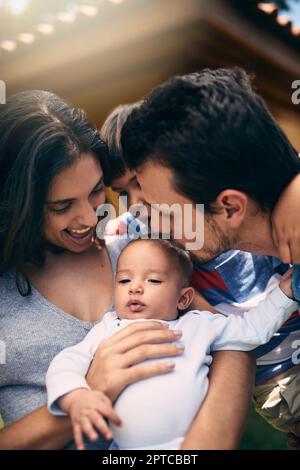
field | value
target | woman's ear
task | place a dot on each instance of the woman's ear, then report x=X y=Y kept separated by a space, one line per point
x=186 y=298
x=233 y=204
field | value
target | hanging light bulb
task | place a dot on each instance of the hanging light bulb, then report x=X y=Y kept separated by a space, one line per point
x=295 y=30
x=66 y=17
x=88 y=10
x=8 y=45
x=283 y=19
x=45 y=28
x=26 y=38
x=267 y=7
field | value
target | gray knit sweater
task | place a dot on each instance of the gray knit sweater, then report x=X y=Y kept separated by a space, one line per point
x=33 y=331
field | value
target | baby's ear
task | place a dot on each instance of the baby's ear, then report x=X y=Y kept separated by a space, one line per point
x=186 y=298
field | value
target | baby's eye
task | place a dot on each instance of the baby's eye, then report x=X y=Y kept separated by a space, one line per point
x=154 y=281
x=123 y=281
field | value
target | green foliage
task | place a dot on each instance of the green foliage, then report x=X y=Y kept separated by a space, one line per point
x=259 y=435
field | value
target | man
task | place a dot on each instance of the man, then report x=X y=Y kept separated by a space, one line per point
x=208 y=138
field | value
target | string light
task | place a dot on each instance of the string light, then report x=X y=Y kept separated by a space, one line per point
x=283 y=19
x=88 y=10
x=8 y=45
x=45 y=28
x=47 y=25
x=295 y=30
x=267 y=7
x=66 y=17
x=26 y=38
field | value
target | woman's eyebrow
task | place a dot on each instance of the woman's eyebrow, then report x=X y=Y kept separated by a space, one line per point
x=63 y=201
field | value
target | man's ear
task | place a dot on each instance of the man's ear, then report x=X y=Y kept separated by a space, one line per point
x=234 y=205
x=186 y=298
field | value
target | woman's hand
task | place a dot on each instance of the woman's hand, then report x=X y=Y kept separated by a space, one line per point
x=286 y=223
x=117 y=361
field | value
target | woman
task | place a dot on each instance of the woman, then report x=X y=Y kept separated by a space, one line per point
x=54 y=284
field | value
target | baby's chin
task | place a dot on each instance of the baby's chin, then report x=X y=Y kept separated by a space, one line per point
x=146 y=314
x=127 y=314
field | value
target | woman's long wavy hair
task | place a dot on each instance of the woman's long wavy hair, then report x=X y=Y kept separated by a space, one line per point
x=40 y=135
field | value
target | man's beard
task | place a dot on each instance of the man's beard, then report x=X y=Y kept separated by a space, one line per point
x=221 y=243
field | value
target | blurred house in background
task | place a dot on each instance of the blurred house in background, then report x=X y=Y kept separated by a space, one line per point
x=101 y=53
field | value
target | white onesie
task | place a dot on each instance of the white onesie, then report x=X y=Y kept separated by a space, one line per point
x=158 y=411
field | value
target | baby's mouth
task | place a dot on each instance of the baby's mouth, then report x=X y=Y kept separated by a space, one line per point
x=135 y=305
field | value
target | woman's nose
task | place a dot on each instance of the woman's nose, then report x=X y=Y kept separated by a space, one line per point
x=87 y=215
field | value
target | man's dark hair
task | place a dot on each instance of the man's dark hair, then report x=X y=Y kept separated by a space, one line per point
x=215 y=133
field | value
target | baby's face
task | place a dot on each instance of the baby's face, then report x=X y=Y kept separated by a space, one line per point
x=147 y=285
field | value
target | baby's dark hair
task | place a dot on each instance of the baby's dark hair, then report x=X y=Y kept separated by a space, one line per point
x=180 y=258
x=111 y=134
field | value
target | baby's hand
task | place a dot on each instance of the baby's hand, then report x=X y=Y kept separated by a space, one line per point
x=286 y=283
x=87 y=409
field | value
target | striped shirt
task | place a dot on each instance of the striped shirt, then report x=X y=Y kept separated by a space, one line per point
x=236 y=281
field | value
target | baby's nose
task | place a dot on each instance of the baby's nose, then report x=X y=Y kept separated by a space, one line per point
x=135 y=289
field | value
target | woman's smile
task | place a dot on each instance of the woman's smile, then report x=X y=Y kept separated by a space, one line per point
x=80 y=237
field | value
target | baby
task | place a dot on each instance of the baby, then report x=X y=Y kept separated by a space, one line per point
x=153 y=282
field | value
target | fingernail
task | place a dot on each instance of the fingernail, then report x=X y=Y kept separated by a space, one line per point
x=170 y=365
x=180 y=347
x=177 y=333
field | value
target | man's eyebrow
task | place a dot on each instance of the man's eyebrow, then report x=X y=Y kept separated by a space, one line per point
x=64 y=201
